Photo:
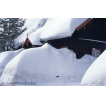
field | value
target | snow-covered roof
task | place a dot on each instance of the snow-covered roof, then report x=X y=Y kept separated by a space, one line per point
x=60 y=28
x=48 y=29
x=32 y=33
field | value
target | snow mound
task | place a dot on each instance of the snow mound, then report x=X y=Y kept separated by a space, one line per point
x=38 y=64
x=60 y=27
x=87 y=59
x=96 y=74
x=5 y=57
x=20 y=39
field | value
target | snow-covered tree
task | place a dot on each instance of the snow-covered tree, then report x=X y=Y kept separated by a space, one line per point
x=10 y=28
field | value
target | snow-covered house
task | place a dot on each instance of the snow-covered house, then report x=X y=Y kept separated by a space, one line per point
x=91 y=38
x=67 y=38
x=82 y=35
x=27 y=43
x=86 y=36
x=33 y=32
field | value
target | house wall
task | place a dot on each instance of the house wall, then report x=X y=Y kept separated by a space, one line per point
x=69 y=42
x=93 y=36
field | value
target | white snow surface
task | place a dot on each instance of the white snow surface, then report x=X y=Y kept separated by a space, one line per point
x=5 y=57
x=30 y=21
x=96 y=74
x=60 y=27
x=32 y=31
x=43 y=65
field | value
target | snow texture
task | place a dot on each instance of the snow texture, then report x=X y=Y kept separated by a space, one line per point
x=60 y=27
x=5 y=57
x=45 y=65
x=30 y=21
x=96 y=74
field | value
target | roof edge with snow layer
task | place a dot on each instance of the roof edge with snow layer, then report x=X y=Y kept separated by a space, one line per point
x=67 y=34
x=71 y=30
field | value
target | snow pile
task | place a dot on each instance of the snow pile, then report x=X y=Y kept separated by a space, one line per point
x=60 y=27
x=20 y=39
x=40 y=65
x=96 y=74
x=5 y=57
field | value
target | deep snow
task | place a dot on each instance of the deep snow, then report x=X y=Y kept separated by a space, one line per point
x=5 y=57
x=46 y=65
x=42 y=66
x=96 y=74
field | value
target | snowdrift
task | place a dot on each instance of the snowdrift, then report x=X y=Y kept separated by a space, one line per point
x=60 y=27
x=5 y=57
x=20 y=39
x=96 y=74
x=37 y=65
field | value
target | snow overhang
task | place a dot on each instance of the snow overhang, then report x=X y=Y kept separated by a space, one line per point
x=61 y=28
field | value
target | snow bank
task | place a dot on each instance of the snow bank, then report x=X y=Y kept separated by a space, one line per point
x=60 y=27
x=40 y=65
x=5 y=57
x=33 y=65
x=96 y=74
x=20 y=39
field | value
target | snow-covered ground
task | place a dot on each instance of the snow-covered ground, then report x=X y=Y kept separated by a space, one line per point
x=96 y=74
x=45 y=66
x=5 y=57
